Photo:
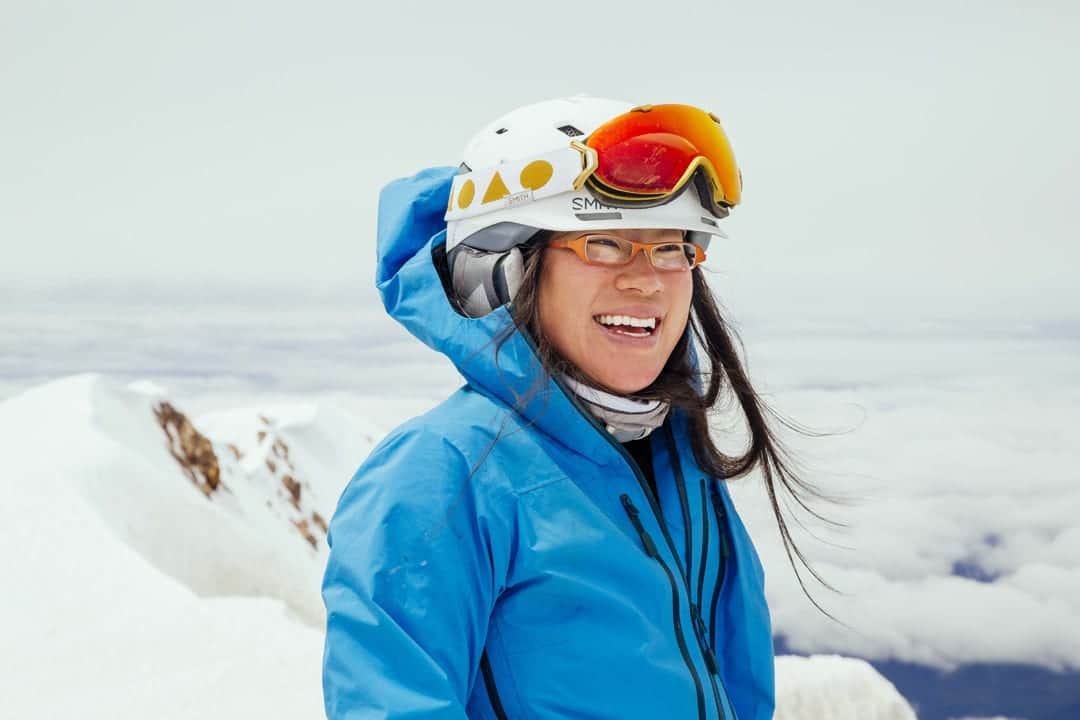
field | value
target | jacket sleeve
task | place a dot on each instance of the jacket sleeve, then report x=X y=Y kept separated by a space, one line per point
x=409 y=585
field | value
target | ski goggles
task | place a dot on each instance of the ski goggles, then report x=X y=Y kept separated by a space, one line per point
x=642 y=158
x=645 y=156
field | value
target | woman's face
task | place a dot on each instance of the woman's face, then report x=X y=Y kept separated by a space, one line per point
x=583 y=310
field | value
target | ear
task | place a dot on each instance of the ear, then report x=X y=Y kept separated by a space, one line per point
x=507 y=277
x=482 y=280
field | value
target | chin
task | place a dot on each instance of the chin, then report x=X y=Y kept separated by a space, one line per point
x=629 y=384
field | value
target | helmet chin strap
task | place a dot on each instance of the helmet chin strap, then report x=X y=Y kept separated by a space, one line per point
x=626 y=419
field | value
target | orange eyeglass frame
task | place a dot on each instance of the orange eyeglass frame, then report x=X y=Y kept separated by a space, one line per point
x=578 y=246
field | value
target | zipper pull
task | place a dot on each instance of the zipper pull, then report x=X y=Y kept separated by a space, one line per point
x=703 y=642
x=635 y=520
x=717 y=501
x=721 y=514
x=710 y=660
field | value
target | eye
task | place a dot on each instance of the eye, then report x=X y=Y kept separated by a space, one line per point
x=674 y=256
x=604 y=242
x=607 y=249
x=670 y=250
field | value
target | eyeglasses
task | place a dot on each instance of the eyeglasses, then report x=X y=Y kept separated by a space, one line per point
x=599 y=249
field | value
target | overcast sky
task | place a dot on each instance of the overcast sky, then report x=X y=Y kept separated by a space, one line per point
x=894 y=149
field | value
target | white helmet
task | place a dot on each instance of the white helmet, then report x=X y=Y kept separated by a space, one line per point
x=499 y=169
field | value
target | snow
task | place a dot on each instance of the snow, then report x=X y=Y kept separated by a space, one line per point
x=137 y=585
x=129 y=592
x=830 y=686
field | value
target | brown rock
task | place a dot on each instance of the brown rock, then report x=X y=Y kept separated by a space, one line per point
x=302 y=526
x=191 y=448
x=294 y=489
x=281 y=449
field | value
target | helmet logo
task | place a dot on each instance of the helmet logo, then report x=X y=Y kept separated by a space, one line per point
x=579 y=203
x=466 y=194
x=512 y=183
x=536 y=174
x=496 y=189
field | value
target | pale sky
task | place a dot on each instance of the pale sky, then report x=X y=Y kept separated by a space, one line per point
x=900 y=149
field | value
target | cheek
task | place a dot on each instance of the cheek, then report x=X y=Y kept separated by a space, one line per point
x=554 y=296
x=682 y=295
x=564 y=293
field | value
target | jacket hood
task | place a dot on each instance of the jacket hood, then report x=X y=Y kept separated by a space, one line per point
x=411 y=232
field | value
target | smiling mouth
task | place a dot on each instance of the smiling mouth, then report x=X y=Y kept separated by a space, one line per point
x=627 y=325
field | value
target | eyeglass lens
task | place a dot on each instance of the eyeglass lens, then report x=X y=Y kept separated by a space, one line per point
x=611 y=250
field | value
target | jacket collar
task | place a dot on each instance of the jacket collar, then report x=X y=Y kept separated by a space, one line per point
x=495 y=358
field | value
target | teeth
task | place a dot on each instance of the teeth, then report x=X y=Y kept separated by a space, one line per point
x=649 y=323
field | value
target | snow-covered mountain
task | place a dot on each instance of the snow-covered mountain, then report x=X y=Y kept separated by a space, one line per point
x=831 y=686
x=167 y=566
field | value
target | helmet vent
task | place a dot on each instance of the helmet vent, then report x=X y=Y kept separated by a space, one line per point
x=570 y=131
x=500 y=131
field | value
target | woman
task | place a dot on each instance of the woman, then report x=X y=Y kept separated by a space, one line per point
x=556 y=539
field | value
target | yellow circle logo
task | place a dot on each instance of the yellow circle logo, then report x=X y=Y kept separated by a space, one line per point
x=466 y=194
x=536 y=174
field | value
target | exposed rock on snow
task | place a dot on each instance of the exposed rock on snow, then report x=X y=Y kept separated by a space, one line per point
x=190 y=448
x=197 y=458
x=108 y=547
x=204 y=506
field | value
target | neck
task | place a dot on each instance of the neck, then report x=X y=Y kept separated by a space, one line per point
x=625 y=418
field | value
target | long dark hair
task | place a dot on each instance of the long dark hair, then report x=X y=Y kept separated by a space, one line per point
x=696 y=388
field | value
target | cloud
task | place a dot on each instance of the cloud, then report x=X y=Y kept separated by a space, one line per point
x=955 y=454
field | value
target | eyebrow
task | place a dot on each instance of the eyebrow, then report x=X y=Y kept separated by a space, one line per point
x=661 y=235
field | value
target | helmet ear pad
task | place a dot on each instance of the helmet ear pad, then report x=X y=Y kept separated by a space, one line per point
x=483 y=280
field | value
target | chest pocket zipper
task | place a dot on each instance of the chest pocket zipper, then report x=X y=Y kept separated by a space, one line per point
x=699 y=626
x=725 y=552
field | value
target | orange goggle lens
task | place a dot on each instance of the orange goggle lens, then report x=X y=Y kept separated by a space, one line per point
x=653 y=151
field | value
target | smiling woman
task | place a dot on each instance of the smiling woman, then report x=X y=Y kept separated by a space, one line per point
x=611 y=311
x=557 y=537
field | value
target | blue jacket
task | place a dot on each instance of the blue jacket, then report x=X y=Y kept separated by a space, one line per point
x=484 y=566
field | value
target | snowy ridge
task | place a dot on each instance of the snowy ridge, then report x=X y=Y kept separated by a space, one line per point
x=108 y=546
x=223 y=518
x=830 y=686
x=163 y=566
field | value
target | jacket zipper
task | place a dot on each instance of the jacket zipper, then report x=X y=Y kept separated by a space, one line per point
x=492 y=691
x=699 y=625
x=701 y=590
x=704 y=543
x=651 y=550
x=684 y=506
x=711 y=663
x=721 y=524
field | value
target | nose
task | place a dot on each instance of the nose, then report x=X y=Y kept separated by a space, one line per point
x=640 y=275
